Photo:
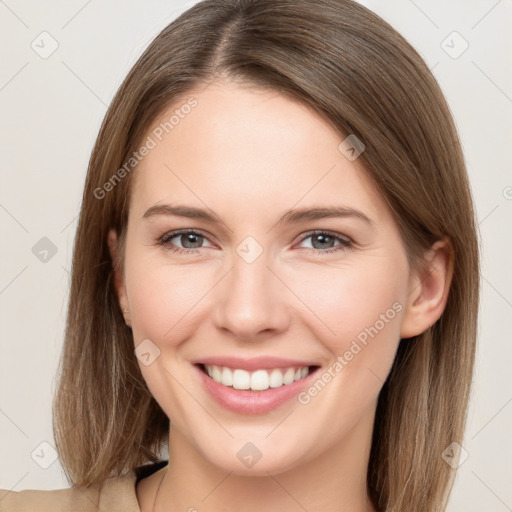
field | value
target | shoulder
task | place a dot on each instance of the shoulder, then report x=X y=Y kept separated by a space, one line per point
x=74 y=499
x=114 y=495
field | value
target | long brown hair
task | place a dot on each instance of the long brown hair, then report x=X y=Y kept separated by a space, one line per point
x=364 y=79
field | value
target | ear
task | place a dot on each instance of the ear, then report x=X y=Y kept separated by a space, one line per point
x=119 y=283
x=428 y=290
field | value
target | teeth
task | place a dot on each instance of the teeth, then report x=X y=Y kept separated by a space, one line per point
x=289 y=376
x=241 y=379
x=276 y=378
x=227 y=378
x=258 y=380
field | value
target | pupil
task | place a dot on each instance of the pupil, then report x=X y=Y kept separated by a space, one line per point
x=190 y=238
x=321 y=237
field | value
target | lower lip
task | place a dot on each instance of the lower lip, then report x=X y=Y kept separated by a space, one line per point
x=246 y=401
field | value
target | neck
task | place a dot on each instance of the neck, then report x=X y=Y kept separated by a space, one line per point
x=333 y=481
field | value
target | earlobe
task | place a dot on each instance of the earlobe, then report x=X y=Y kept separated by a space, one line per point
x=428 y=290
x=118 y=276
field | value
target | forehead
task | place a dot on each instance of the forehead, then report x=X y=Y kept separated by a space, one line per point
x=247 y=145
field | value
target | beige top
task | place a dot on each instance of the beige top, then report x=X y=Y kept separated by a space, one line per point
x=115 y=495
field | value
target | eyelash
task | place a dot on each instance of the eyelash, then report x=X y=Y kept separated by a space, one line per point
x=164 y=241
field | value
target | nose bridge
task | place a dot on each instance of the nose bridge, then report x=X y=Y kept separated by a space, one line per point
x=251 y=298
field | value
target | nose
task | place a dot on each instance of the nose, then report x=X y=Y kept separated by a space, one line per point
x=252 y=301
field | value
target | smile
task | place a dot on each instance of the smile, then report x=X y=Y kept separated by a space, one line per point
x=258 y=380
x=246 y=400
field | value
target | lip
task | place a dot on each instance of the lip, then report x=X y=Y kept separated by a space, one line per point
x=254 y=363
x=252 y=402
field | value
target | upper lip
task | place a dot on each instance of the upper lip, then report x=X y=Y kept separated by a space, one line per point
x=254 y=363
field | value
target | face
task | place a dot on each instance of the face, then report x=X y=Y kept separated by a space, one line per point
x=326 y=292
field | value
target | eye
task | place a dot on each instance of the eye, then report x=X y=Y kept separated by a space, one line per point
x=192 y=241
x=325 y=240
x=190 y=238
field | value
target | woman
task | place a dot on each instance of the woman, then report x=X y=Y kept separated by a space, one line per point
x=205 y=313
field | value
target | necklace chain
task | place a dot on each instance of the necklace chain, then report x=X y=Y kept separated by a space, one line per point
x=158 y=489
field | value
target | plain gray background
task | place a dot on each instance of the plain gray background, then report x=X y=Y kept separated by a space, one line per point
x=51 y=110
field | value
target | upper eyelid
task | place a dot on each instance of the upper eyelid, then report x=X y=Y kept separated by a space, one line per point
x=326 y=232
x=171 y=234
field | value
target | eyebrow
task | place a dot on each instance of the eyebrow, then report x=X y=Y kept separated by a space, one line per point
x=295 y=216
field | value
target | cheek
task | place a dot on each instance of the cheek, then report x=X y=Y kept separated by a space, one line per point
x=353 y=307
x=163 y=300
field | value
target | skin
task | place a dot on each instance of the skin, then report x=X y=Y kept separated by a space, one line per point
x=249 y=155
